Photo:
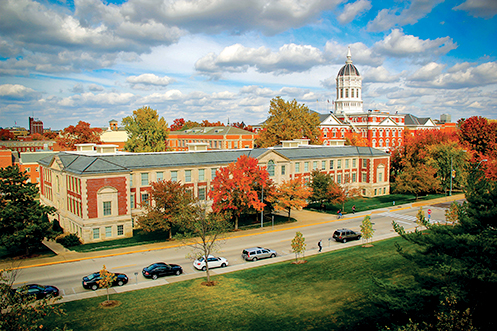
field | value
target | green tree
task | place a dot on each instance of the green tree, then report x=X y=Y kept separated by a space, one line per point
x=20 y=311
x=203 y=232
x=320 y=184
x=169 y=202
x=22 y=221
x=367 y=230
x=106 y=280
x=298 y=245
x=416 y=180
x=146 y=131
x=289 y=120
x=449 y=161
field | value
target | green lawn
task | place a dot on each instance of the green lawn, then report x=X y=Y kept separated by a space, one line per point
x=329 y=292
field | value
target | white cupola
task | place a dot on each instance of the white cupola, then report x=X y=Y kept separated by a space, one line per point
x=349 y=89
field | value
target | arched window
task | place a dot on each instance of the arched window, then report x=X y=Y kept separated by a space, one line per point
x=341 y=93
x=387 y=143
x=352 y=91
x=270 y=167
x=380 y=143
x=374 y=143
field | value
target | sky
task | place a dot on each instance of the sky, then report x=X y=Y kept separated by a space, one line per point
x=63 y=61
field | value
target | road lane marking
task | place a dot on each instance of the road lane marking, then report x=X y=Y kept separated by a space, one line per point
x=125 y=266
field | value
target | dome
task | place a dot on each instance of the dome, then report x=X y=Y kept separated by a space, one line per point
x=348 y=70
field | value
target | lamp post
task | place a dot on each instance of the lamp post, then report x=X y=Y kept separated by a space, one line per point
x=484 y=160
x=450 y=191
x=262 y=211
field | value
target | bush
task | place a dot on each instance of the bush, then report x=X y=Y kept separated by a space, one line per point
x=69 y=240
x=56 y=227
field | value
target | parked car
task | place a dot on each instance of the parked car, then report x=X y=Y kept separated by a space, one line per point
x=345 y=235
x=38 y=291
x=255 y=253
x=213 y=262
x=161 y=269
x=90 y=281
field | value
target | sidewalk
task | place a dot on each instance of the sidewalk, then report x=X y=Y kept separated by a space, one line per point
x=304 y=218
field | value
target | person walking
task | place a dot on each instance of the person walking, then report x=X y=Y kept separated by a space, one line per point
x=339 y=212
x=320 y=245
x=353 y=209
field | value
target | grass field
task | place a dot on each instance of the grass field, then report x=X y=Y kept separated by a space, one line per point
x=329 y=292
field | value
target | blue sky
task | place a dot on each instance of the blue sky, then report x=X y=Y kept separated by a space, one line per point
x=68 y=60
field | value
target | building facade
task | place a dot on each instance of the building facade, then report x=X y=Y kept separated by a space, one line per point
x=98 y=192
x=216 y=138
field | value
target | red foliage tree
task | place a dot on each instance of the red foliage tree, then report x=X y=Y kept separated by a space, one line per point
x=50 y=135
x=37 y=136
x=6 y=134
x=178 y=124
x=242 y=126
x=206 y=123
x=79 y=134
x=234 y=187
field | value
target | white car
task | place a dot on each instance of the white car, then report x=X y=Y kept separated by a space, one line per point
x=214 y=262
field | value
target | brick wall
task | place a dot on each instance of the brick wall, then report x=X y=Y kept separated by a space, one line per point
x=94 y=185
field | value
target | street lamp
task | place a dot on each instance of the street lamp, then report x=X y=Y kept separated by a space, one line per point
x=484 y=160
x=262 y=211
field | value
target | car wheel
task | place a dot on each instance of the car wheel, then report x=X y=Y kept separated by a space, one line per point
x=273 y=255
x=94 y=287
x=178 y=272
x=204 y=268
x=254 y=259
x=120 y=283
x=154 y=277
x=344 y=240
x=223 y=265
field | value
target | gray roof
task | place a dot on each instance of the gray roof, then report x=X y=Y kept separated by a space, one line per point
x=127 y=162
x=348 y=70
x=33 y=157
x=413 y=120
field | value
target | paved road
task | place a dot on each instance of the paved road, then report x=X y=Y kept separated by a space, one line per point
x=66 y=271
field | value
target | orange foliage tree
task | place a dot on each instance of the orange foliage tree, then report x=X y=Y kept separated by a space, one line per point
x=234 y=187
x=356 y=139
x=79 y=134
x=6 y=135
x=291 y=194
x=341 y=193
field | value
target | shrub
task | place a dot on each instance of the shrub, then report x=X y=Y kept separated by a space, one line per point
x=69 y=240
x=56 y=227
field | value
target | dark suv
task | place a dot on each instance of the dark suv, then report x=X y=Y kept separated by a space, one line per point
x=345 y=235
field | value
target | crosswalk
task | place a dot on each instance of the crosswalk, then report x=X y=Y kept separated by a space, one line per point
x=405 y=217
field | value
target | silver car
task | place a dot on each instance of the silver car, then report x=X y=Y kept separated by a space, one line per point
x=255 y=253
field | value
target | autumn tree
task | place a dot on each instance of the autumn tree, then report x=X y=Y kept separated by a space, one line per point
x=367 y=230
x=6 y=135
x=289 y=120
x=233 y=188
x=203 y=232
x=356 y=139
x=37 y=137
x=243 y=126
x=206 y=124
x=169 y=205
x=146 y=131
x=292 y=194
x=79 y=134
x=51 y=135
x=416 y=180
x=20 y=311
x=341 y=193
x=22 y=221
x=298 y=245
x=178 y=124
x=106 y=280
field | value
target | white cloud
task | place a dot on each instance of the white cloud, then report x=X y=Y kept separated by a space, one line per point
x=149 y=79
x=95 y=88
x=92 y=100
x=479 y=8
x=388 y=18
x=354 y=9
x=18 y=92
x=398 y=44
x=361 y=54
x=379 y=74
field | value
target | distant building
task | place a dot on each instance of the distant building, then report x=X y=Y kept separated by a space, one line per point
x=114 y=135
x=35 y=126
x=28 y=145
x=215 y=138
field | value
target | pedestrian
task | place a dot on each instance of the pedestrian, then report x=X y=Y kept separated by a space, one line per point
x=353 y=209
x=339 y=212
x=320 y=245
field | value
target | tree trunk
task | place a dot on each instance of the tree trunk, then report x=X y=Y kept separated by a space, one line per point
x=170 y=233
x=236 y=222
x=289 y=210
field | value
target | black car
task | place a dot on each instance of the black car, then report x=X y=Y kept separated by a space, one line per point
x=345 y=235
x=38 y=291
x=90 y=281
x=161 y=269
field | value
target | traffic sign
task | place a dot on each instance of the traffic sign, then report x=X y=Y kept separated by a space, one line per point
x=429 y=211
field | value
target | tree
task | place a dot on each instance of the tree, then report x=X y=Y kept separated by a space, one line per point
x=449 y=160
x=341 y=193
x=233 y=188
x=243 y=126
x=169 y=202
x=22 y=224
x=6 y=135
x=177 y=124
x=367 y=228
x=51 y=135
x=292 y=194
x=20 y=311
x=289 y=120
x=79 y=134
x=106 y=280
x=298 y=245
x=416 y=180
x=320 y=184
x=479 y=134
x=203 y=231
x=146 y=131
x=356 y=139
x=37 y=136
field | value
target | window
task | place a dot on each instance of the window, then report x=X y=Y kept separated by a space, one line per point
x=375 y=191
x=354 y=177
x=314 y=165
x=323 y=165
x=132 y=200
x=270 y=167
x=380 y=177
x=201 y=193
x=144 y=198
x=364 y=163
x=160 y=176
x=96 y=233
x=364 y=177
x=120 y=230
x=283 y=170
x=353 y=163
x=108 y=231
x=384 y=190
x=331 y=164
x=107 y=208
x=174 y=176
x=297 y=167
x=339 y=178
x=201 y=175
x=347 y=163
x=339 y=164
x=144 y=179
x=213 y=173
x=188 y=176
x=306 y=166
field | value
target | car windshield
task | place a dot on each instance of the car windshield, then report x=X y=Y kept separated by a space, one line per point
x=92 y=276
x=201 y=259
